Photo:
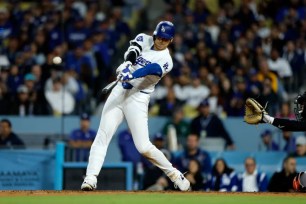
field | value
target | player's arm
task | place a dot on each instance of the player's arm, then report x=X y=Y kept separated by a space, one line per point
x=157 y=69
x=150 y=69
x=285 y=124
x=134 y=50
x=289 y=125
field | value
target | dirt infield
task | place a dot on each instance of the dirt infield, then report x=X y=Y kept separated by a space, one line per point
x=69 y=192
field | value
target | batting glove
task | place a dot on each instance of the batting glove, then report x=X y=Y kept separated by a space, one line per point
x=124 y=65
x=126 y=76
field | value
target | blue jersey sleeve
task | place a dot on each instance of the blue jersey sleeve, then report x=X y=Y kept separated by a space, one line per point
x=150 y=69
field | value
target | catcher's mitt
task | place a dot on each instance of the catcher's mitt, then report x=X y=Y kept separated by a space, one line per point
x=253 y=112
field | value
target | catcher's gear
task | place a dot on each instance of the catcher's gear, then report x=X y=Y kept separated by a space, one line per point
x=299 y=182
x=299 y=110
x=254 y=112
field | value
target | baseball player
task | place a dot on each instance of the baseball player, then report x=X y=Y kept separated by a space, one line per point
x=147 y=60
x=299 y=182
x=291 y=125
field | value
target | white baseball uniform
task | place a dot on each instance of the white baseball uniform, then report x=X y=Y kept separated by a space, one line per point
x=133 y=105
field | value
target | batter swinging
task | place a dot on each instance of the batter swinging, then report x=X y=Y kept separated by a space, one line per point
x=147 y=60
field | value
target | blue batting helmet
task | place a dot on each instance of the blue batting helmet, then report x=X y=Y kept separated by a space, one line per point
x=164 y=29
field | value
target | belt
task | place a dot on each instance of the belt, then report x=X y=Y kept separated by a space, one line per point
x=144 y=92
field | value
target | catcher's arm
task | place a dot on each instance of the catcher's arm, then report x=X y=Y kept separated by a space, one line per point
x=255 y=113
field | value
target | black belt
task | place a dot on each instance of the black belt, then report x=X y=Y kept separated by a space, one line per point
x=144 y=92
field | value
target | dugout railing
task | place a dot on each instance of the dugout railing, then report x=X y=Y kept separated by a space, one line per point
x=69 y=175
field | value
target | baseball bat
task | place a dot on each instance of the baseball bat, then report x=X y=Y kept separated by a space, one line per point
x=110 y=86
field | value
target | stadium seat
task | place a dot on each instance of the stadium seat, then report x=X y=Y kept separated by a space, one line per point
x=235 y=159
x=269 y=169
x=213 y=156
x=269 y=162
x=212 y=144
x=270 y=158
x=301 y=164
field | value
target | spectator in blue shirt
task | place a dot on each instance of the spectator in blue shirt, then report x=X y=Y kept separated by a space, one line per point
x=193 y=151
x=81 y=139
x=289 y=142
x=128 y=150
x=77 y=33
x=268 y=143
x=252 y=180
x=223 y=178
x=8 y=139
x=15 y=79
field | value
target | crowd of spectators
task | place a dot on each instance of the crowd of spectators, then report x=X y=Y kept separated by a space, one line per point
x=222 y=55
x=225 y=53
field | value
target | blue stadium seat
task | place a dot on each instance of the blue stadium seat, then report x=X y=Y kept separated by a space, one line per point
x=235 y=159
x=214 y=155
x=301 y=164
x=269 y=162
x=270 y=158
x=269 y=169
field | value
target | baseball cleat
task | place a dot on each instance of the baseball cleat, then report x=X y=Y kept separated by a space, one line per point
x=179 y=181
x=89 y=184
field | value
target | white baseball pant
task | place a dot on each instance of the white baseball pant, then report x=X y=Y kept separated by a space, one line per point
x=133 y=105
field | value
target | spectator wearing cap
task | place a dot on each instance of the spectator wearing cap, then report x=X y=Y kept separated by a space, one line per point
x=208 y=124
x=22 y=106
x=8 y=139
x=191 y=151
x=237 y=100
x=300 y=150
x=267 y=142
x=77 y=32
x=290 y=141
x=29 y=80
x=81 y=65
x=81 y=139
x=30 y=83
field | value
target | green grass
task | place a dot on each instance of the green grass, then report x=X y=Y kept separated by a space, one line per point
x=154 y=198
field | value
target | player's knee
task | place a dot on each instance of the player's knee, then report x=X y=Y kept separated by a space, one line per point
x=144 y=149
x=101 y=138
